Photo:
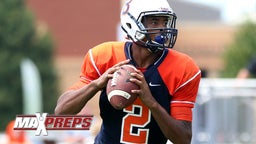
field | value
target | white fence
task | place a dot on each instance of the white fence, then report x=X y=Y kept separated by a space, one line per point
x=225 y=112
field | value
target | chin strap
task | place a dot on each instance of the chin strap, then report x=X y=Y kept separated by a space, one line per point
x=148 y=45
x=153 y=45
x=153 y=48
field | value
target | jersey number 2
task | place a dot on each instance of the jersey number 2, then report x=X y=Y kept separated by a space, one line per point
x=133 y=131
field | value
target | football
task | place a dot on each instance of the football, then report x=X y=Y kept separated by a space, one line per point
x=119 y=88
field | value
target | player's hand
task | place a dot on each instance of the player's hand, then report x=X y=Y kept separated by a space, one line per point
x=102 y=81
x=143 y=92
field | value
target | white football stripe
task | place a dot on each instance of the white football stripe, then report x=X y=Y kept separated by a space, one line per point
x=120 y=93
x=93 y=62
x=183 y=102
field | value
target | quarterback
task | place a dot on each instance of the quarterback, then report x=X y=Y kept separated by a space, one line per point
x=168 y=80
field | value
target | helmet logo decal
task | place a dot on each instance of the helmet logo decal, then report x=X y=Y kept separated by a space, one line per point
x=127 y=4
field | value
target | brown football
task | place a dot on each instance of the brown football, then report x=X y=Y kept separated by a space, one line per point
x=119 y=88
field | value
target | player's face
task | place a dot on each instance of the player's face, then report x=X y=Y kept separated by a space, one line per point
x=156 y=25
x=156 y=22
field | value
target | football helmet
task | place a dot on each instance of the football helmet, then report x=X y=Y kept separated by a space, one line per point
x=132 y=15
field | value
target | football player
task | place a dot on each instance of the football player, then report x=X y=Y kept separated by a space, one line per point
x=168 y=80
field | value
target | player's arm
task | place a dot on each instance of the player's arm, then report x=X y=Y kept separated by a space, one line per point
x=72 y=101
x=175 y=127
x=177 y=131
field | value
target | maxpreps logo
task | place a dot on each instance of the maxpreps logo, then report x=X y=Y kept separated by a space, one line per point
x=43 y=122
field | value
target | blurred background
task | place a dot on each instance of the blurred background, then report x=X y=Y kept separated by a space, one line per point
x=42 y=45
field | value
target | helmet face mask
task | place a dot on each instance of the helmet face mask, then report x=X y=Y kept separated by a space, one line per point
x=157 y=37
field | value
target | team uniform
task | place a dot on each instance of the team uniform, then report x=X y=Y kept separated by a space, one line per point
x=173 y=80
